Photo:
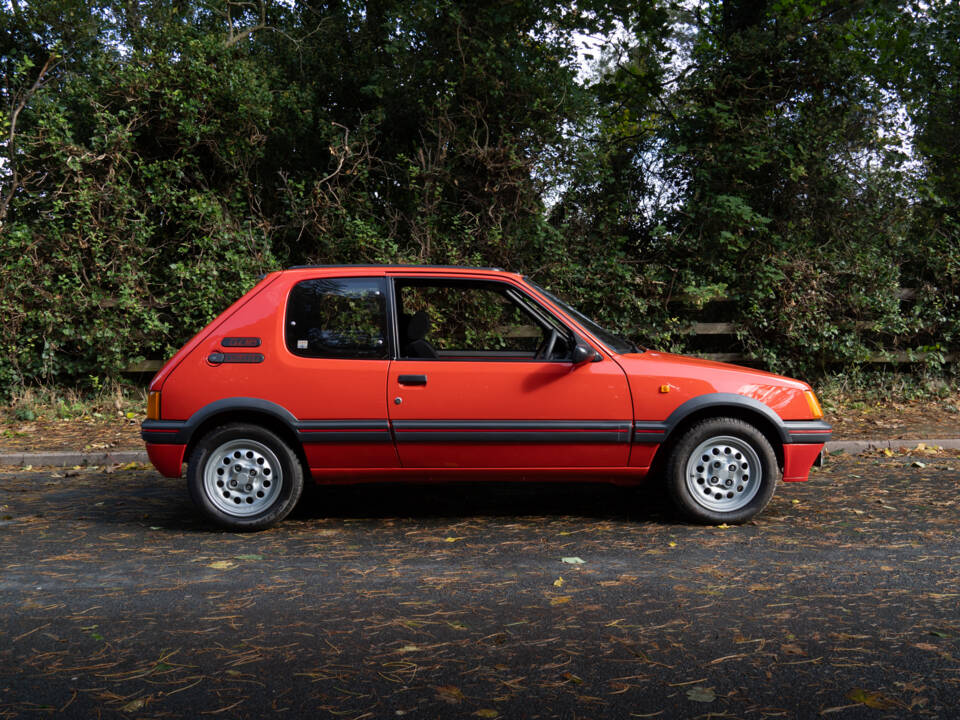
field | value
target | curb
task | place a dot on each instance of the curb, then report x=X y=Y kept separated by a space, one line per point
x=859 y=446
x=119 y=457
x=69 y=459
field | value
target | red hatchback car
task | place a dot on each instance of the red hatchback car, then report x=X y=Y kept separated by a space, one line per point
x=361 y=373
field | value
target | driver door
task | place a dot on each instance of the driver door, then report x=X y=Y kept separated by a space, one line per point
x=474 y=385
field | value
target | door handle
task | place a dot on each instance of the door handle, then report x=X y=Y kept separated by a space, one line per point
x=412 y=379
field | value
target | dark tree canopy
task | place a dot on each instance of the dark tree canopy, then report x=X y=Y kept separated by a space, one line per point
x=796 y=157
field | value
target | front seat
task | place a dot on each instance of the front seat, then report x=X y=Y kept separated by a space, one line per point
x=416 y=328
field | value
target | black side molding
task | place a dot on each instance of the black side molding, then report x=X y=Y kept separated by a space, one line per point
x=512 y=431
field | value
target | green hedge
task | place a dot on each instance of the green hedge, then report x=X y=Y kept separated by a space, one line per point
x=160 y=158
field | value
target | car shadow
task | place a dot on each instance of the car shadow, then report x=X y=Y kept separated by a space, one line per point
x=485 y=499
x=145 y=499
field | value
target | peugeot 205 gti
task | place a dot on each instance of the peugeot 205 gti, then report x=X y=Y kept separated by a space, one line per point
x=351 y=374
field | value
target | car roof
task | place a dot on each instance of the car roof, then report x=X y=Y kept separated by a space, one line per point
x=378 y=269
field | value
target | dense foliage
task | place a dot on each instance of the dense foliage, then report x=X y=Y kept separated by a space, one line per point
x=796 y=157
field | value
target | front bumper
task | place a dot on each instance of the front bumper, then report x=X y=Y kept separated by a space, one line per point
x=805 y=449
x=813 y=432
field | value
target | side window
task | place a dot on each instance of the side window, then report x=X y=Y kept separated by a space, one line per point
x=469 y=319
x=337 y=318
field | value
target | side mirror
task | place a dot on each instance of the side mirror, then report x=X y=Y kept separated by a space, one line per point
x=584 y=353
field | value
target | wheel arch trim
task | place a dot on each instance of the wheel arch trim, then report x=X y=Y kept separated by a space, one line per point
x=721 y=401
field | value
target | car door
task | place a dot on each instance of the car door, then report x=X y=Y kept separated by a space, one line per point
x=474 y=387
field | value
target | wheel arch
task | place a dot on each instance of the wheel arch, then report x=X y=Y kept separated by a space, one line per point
x=718 y=405
x=254 y=411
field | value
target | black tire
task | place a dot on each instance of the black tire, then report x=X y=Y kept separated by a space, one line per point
x=711 y=472
x=256 y=489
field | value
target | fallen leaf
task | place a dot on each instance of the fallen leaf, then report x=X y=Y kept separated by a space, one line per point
x=723 y=526
x=573 y=678
x=449 y=693
x=870 y=699
x=558 y=582
x=672 y=544
x=918 y=464
x=221 y=565
x=452 y=539
x=248 y=557
x=888 y=452
x=560 y=600
x=572 y=560
x=135 y=705
x=795 y=502
x=792 y=649
x=701 y=694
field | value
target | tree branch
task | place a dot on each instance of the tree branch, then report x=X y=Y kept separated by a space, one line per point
x=7 y=198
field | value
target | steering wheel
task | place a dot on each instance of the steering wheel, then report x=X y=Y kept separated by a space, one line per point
x=546 y=350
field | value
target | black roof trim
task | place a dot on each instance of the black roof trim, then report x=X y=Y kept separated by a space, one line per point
x=387 y=265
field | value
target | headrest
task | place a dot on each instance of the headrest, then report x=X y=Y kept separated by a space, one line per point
x=418 y=326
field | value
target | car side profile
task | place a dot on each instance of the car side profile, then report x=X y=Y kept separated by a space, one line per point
x=346 y=374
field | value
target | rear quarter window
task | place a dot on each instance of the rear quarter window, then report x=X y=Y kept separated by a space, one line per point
x=337 y=318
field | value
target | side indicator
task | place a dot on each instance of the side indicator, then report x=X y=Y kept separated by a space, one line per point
x=153 y=406
x=664 y=388
x=815 y=410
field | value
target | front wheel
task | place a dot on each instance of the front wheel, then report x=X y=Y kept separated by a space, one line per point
x=244 y=477
x=722 y=470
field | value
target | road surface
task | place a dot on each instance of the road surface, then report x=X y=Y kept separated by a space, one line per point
x=840 y=601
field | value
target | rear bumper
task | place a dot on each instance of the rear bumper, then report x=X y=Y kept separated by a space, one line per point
x=167 y=458
x=164 y=432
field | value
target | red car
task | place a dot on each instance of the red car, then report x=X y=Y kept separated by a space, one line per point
x=373 y=373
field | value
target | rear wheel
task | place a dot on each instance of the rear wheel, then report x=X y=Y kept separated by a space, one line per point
x=244 y=477
x=722 y=470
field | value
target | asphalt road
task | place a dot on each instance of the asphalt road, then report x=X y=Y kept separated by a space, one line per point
x=841 y=600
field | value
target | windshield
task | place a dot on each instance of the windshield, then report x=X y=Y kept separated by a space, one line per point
x=612 y=342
